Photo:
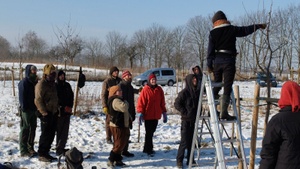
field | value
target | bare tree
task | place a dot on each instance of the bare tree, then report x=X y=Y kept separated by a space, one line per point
x=198 y=30
x=140 y=39
x=94 y=50
x=115 y=42
x=70 y=42
x=156 y=38
x=4 y=48
x=180 y=56
x=33 y=46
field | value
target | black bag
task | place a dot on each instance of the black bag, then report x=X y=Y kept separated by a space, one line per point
x=81 y=80
x=73 y=158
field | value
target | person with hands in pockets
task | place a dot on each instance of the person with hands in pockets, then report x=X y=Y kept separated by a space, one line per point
x=151 y=105
x=187 y=104
x=46 y=101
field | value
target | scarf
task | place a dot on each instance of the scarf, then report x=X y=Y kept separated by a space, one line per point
x=290 y=96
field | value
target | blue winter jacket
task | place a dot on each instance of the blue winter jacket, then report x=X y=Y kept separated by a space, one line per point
x=26 y=92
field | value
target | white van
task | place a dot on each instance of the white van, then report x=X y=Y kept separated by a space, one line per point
x=164 y=76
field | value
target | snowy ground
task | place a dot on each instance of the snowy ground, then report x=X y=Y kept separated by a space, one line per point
x=88 y=134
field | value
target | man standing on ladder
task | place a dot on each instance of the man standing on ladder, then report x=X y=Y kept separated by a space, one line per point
x=221 y=56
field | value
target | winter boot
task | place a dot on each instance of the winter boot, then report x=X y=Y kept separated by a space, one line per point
x=111 y=159
x=119 y=161
x=224 y=103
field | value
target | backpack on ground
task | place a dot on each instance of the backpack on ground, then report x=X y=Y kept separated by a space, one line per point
x=73 y=159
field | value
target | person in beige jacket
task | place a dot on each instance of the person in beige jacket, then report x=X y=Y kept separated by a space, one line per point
x=46 y=101
x=119 y=124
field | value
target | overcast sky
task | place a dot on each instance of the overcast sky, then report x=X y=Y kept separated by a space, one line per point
x=95 y=18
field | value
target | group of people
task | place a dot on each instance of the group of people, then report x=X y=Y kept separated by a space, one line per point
x=49 y=99
x=52 y=102
x=119 y=106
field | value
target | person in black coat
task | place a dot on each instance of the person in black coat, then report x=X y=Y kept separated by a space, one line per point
x=65 y=101
x=28 y=109
x=128 y=95
x=221 y=55
x=281 y=143
x=187 y=104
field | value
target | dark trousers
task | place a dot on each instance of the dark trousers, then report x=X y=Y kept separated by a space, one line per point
x=224 y=71
x=48 y=127
x=107 y=128
x=187 y=131
x=27 y=133
x=62 y=131
x=120 y=136
x=127 y=145
x=150 y=127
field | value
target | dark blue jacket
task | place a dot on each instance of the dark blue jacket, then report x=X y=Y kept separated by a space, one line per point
x=26 y=91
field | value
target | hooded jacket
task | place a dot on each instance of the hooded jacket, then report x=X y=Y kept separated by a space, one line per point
x=26 y=91
x=281 y=143
x=64 y=92
x=187 y=100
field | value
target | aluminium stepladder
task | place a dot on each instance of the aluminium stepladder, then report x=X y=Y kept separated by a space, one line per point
x=216 y=129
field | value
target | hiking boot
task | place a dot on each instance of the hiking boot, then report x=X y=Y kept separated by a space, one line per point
x=193 y=163
x=50 y=157
x=61 y=152
x=119 y=163
x=33 y=153
x=127 y=154
x=227 y=117
x=110 y=163
x=26 y=154
x=45 y=159
x=109 y=142
x=179 y=164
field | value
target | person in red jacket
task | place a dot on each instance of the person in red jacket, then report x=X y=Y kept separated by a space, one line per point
x=151 y=105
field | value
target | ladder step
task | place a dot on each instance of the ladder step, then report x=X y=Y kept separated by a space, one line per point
x=204 y=117
x=214 y=84
x=227 y=121
x=233 y=160
x=230 y=140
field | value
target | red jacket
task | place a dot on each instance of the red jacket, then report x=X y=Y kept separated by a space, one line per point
x=151 y=103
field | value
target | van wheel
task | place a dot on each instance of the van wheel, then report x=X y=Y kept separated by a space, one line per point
x=144 y=83
x=170 y=83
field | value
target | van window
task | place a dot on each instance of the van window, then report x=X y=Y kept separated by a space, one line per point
x=156 y=73
x=167 y=72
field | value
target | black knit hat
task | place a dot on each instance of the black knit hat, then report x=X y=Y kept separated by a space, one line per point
x=112 y=69
x=217 y=16
x=60 y=73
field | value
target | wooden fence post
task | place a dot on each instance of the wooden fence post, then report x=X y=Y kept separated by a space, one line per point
x=76 y=92
x=13 y=81
x=238 y=104
x=254 y=126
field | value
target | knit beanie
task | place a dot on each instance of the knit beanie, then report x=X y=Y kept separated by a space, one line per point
x=113 y=90
x=112 y=69
x=218 y=15
x=48 y=68
x=60 y=73
x=151 y=76
x=125 y=73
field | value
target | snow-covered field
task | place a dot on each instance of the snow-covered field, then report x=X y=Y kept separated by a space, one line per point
x=88 y=134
